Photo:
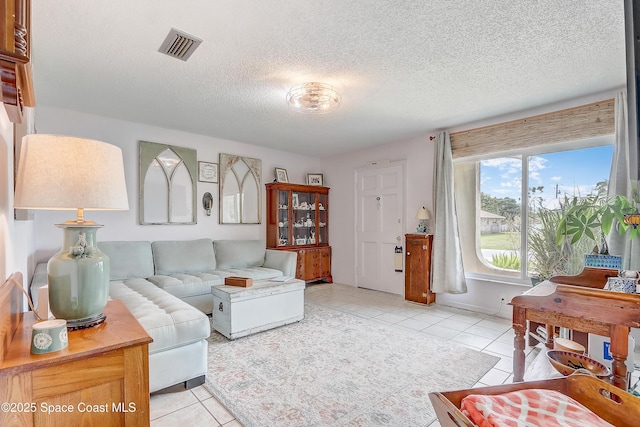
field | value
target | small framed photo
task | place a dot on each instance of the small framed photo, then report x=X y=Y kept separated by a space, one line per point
x=315 y=179
x=207 y=172
x=281 y=175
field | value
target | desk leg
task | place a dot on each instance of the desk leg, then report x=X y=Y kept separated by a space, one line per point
x=619 y=351
x=551 y=335
x=520 y=327
x=533 y=327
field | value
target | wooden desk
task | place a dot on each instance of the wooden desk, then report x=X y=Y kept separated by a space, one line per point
x=589 y=277
x=610 y=314
x=101 y=378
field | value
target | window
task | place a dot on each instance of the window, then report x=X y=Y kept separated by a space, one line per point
x=510 y=203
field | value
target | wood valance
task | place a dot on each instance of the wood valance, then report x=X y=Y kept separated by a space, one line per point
x=587 y=121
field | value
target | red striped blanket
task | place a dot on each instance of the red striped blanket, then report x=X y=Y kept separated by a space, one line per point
x=534 y=407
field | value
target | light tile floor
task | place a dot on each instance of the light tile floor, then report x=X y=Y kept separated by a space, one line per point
x=486 y=333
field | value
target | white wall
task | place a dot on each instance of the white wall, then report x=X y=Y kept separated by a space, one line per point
x=483 y=295
x=15 y=236
x=340 y=176
x=339 y=173
x=124 y=225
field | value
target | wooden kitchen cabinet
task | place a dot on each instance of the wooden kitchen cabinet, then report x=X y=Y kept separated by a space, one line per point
x=417 y=279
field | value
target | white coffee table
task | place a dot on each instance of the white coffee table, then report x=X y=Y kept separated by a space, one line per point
x=239 y=311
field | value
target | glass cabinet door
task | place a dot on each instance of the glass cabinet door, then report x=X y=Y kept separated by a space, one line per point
x=283 y=218
x=304 y=218
x=297 y=216
x=323 y=226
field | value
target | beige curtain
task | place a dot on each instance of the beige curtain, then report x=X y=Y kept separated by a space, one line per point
x=447 y=271
x=620 y=183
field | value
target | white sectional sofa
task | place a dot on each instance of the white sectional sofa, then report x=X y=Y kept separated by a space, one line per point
x=167 y=287
x=188 y=269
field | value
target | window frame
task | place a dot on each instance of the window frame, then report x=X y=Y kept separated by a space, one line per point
x=468 y=214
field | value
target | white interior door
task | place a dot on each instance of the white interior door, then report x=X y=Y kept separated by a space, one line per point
x=379 y=227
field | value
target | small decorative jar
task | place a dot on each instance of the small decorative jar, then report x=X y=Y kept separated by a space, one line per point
x=627 y=282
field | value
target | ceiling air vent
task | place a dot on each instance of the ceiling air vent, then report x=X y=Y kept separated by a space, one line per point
x=179 y=44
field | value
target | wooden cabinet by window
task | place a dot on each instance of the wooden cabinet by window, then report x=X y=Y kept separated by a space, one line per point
x=417 y=279
x=15 y=70
x=298 y=220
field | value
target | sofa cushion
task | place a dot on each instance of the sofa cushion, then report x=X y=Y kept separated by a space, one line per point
x=256 y=273
x=183 y=256
x=239 y=253
x=128 y=259
x=170 y=321
x=185 y=285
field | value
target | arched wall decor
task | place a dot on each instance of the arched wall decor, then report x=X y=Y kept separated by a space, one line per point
x=167 y=180
x=240 y=190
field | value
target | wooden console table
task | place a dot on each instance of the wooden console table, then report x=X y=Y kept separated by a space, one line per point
x=101 y=378
x=610 y=314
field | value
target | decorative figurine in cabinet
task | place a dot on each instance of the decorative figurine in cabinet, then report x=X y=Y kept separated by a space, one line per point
x=417 y=279
x=298 y=220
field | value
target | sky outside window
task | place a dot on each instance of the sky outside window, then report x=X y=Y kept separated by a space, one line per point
x=552 y=179
x=570 y=173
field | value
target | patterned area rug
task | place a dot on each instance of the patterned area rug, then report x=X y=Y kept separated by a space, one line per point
x=337 y=369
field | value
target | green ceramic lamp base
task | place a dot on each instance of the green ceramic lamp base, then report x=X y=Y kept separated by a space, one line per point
x=88 y=322
x=79 y=278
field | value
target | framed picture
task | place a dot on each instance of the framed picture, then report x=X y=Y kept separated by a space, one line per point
x=315 y=179
x=207 y=172
x=281 y=175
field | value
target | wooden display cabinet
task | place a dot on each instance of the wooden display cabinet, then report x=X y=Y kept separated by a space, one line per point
x=298 y=220
x=417 y=279
x=314 y=264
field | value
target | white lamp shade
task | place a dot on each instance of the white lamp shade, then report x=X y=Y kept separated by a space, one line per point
x=63 y=172
x=423 y=213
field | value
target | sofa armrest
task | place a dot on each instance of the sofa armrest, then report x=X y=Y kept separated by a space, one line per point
x=284 y=261
x=39 y=279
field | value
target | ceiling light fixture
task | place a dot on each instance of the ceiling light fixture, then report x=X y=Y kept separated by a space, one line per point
x=313 y=98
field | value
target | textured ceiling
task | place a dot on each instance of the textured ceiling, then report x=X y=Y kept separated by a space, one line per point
x=404 y=68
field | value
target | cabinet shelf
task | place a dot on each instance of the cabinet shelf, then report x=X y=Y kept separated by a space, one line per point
x=297 y=220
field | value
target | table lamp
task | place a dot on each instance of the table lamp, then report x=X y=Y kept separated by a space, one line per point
x=67 y=173
x=423 y=216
